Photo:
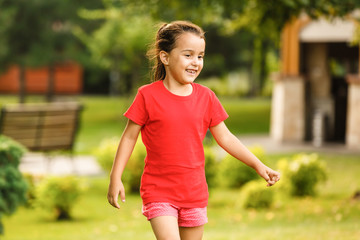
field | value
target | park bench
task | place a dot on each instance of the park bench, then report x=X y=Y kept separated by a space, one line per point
x=43 y=126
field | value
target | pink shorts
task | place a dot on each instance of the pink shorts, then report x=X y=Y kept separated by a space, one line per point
x=187 y=217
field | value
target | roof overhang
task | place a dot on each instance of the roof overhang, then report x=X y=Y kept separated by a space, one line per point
x=322 y=30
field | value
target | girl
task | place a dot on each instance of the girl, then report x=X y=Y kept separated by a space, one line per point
x=173 y=114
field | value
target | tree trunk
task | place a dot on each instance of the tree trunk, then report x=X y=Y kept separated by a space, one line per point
x=51 y=84
x=263 y=64
x=22 y=84
x=255 y=68
x=114 y=82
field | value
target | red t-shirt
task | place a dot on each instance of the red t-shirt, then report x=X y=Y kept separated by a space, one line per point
x=173 y=129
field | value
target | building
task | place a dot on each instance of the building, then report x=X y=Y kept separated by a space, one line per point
x=316 y=96
x=68 y=79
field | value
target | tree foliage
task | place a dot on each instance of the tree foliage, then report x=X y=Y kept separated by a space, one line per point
x=116 y=33
x=119 y=44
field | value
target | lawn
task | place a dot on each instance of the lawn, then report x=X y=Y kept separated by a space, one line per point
x=332 y=215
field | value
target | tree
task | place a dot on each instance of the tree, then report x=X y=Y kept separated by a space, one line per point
x=259 y=23
x=38 y=33
x=119 y=44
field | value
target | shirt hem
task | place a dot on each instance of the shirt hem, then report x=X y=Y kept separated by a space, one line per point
x=133 y=118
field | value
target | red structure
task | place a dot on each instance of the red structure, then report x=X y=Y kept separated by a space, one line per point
x=68 y=79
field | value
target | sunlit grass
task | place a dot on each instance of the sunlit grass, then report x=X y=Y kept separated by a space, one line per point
x=331 y=215
x=247 y=116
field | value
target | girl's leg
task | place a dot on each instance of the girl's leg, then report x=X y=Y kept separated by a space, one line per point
x=165 y=228
x=191 y=233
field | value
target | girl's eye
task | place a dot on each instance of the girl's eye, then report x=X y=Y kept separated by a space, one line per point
x=200 y=57
x=187 y=55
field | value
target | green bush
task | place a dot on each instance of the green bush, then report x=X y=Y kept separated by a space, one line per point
x=105 y=155
x=135 y=167
x=13 y=186
x=211 y=166
x=255 y=194
x=58 y=195
x=233 y=84
x=234 y=174
x=106 y=151
x=32 y=181
x=302 y=173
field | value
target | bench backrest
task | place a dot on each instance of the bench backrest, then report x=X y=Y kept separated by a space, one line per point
x=42 y=127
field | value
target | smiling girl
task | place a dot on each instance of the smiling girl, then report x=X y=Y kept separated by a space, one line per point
x=173 y=114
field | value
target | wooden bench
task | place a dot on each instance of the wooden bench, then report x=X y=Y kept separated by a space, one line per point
x=42 y=127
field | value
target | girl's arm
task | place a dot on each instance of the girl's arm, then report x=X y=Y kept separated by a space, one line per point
x=125 y=148
x=234 y=147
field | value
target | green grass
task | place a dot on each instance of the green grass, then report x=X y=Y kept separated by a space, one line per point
x=102 y=118
x=247 y=116
x=332 y=215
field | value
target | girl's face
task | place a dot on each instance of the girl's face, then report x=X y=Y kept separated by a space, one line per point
x=185 y=62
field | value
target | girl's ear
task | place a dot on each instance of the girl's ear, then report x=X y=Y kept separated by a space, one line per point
x=164 y=57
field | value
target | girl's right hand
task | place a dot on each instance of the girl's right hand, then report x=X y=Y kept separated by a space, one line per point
x=116 y=188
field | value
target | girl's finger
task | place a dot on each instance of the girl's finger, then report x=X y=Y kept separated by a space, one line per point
x=115 y=202
x=122 y=196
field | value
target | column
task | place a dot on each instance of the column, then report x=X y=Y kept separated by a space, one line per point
x=288 y=109
x=353 y=113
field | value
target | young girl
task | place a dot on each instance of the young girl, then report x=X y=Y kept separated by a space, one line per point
x=173 y=114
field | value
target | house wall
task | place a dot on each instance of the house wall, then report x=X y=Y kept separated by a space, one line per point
x=68 y=79
x=289 y=105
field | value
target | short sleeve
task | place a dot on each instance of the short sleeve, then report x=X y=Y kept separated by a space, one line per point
x=137 y=111
x=218 y=113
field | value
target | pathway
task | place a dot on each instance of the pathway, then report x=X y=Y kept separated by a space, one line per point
x=38 y=164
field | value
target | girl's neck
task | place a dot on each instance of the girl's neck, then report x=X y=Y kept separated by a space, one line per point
x=178 y=88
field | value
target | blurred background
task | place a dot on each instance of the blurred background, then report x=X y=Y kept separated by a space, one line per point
x=286 y=71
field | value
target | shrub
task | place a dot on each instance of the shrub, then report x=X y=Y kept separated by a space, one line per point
x=13 y=187
x=232 y=84
x=256 y=195
x=135 y=167
x=105 y=155
x=32 y=181
x=302 y=174
x=211 y=166
x=58 y=195
x=234 y=174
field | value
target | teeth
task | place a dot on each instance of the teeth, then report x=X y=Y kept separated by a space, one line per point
x=191 y=71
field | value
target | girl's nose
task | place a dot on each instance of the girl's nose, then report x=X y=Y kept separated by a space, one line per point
x=196 y=61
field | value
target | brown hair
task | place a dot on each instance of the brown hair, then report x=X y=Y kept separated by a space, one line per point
x=165 y=40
